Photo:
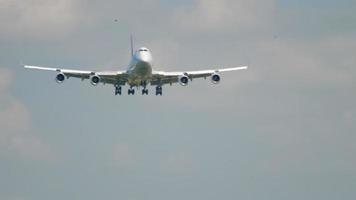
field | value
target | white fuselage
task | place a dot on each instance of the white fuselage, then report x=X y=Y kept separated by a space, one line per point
x=140 y=67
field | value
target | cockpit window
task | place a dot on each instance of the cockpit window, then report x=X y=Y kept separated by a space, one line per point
x=143 y=50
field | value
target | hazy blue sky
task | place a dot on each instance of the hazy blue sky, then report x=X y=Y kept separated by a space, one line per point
x=284 y=129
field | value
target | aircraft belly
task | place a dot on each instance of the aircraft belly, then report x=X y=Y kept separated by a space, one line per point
x=141 y=72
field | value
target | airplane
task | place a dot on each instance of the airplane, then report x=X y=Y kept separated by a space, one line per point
x=139 y=73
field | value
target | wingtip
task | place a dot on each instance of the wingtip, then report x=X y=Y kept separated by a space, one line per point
x=21 y=64
x=29 y=67
x=242 y=68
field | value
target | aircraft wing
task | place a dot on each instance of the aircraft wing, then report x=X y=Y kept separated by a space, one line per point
x=110 y=77
x=161 y=77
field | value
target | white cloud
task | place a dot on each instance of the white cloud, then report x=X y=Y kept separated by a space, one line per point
x=39 y=18
x=224 y=15
x=300 y=64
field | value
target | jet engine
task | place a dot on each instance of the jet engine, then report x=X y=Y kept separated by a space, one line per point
x=95 y=80
x=183 y=80
x=215 y=78
x=60 y=78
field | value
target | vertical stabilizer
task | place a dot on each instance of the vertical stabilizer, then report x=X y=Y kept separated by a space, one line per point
x=132 y=45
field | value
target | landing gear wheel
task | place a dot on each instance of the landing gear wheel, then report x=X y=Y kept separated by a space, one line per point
x=131 y=92
x=158 y=90
x=117 y=90
x=144 y=91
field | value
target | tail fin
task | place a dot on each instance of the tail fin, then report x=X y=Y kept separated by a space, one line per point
x=132 y=45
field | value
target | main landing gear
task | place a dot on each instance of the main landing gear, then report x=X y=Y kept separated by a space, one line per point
x=117 y=90
x=144 y=91
x=131 y=90
x=158 y=90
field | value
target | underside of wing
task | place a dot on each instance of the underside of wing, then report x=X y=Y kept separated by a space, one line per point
x=109 y=77
x=161 y=77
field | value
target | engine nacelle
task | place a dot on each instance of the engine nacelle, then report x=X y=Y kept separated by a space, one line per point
x=60 y=78
x=215 y=78
x=95 y=80
x=183 y=80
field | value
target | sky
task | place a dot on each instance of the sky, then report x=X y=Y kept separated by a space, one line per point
x=283 y=129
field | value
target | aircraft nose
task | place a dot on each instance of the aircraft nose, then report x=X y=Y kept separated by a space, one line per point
x=145 y=57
